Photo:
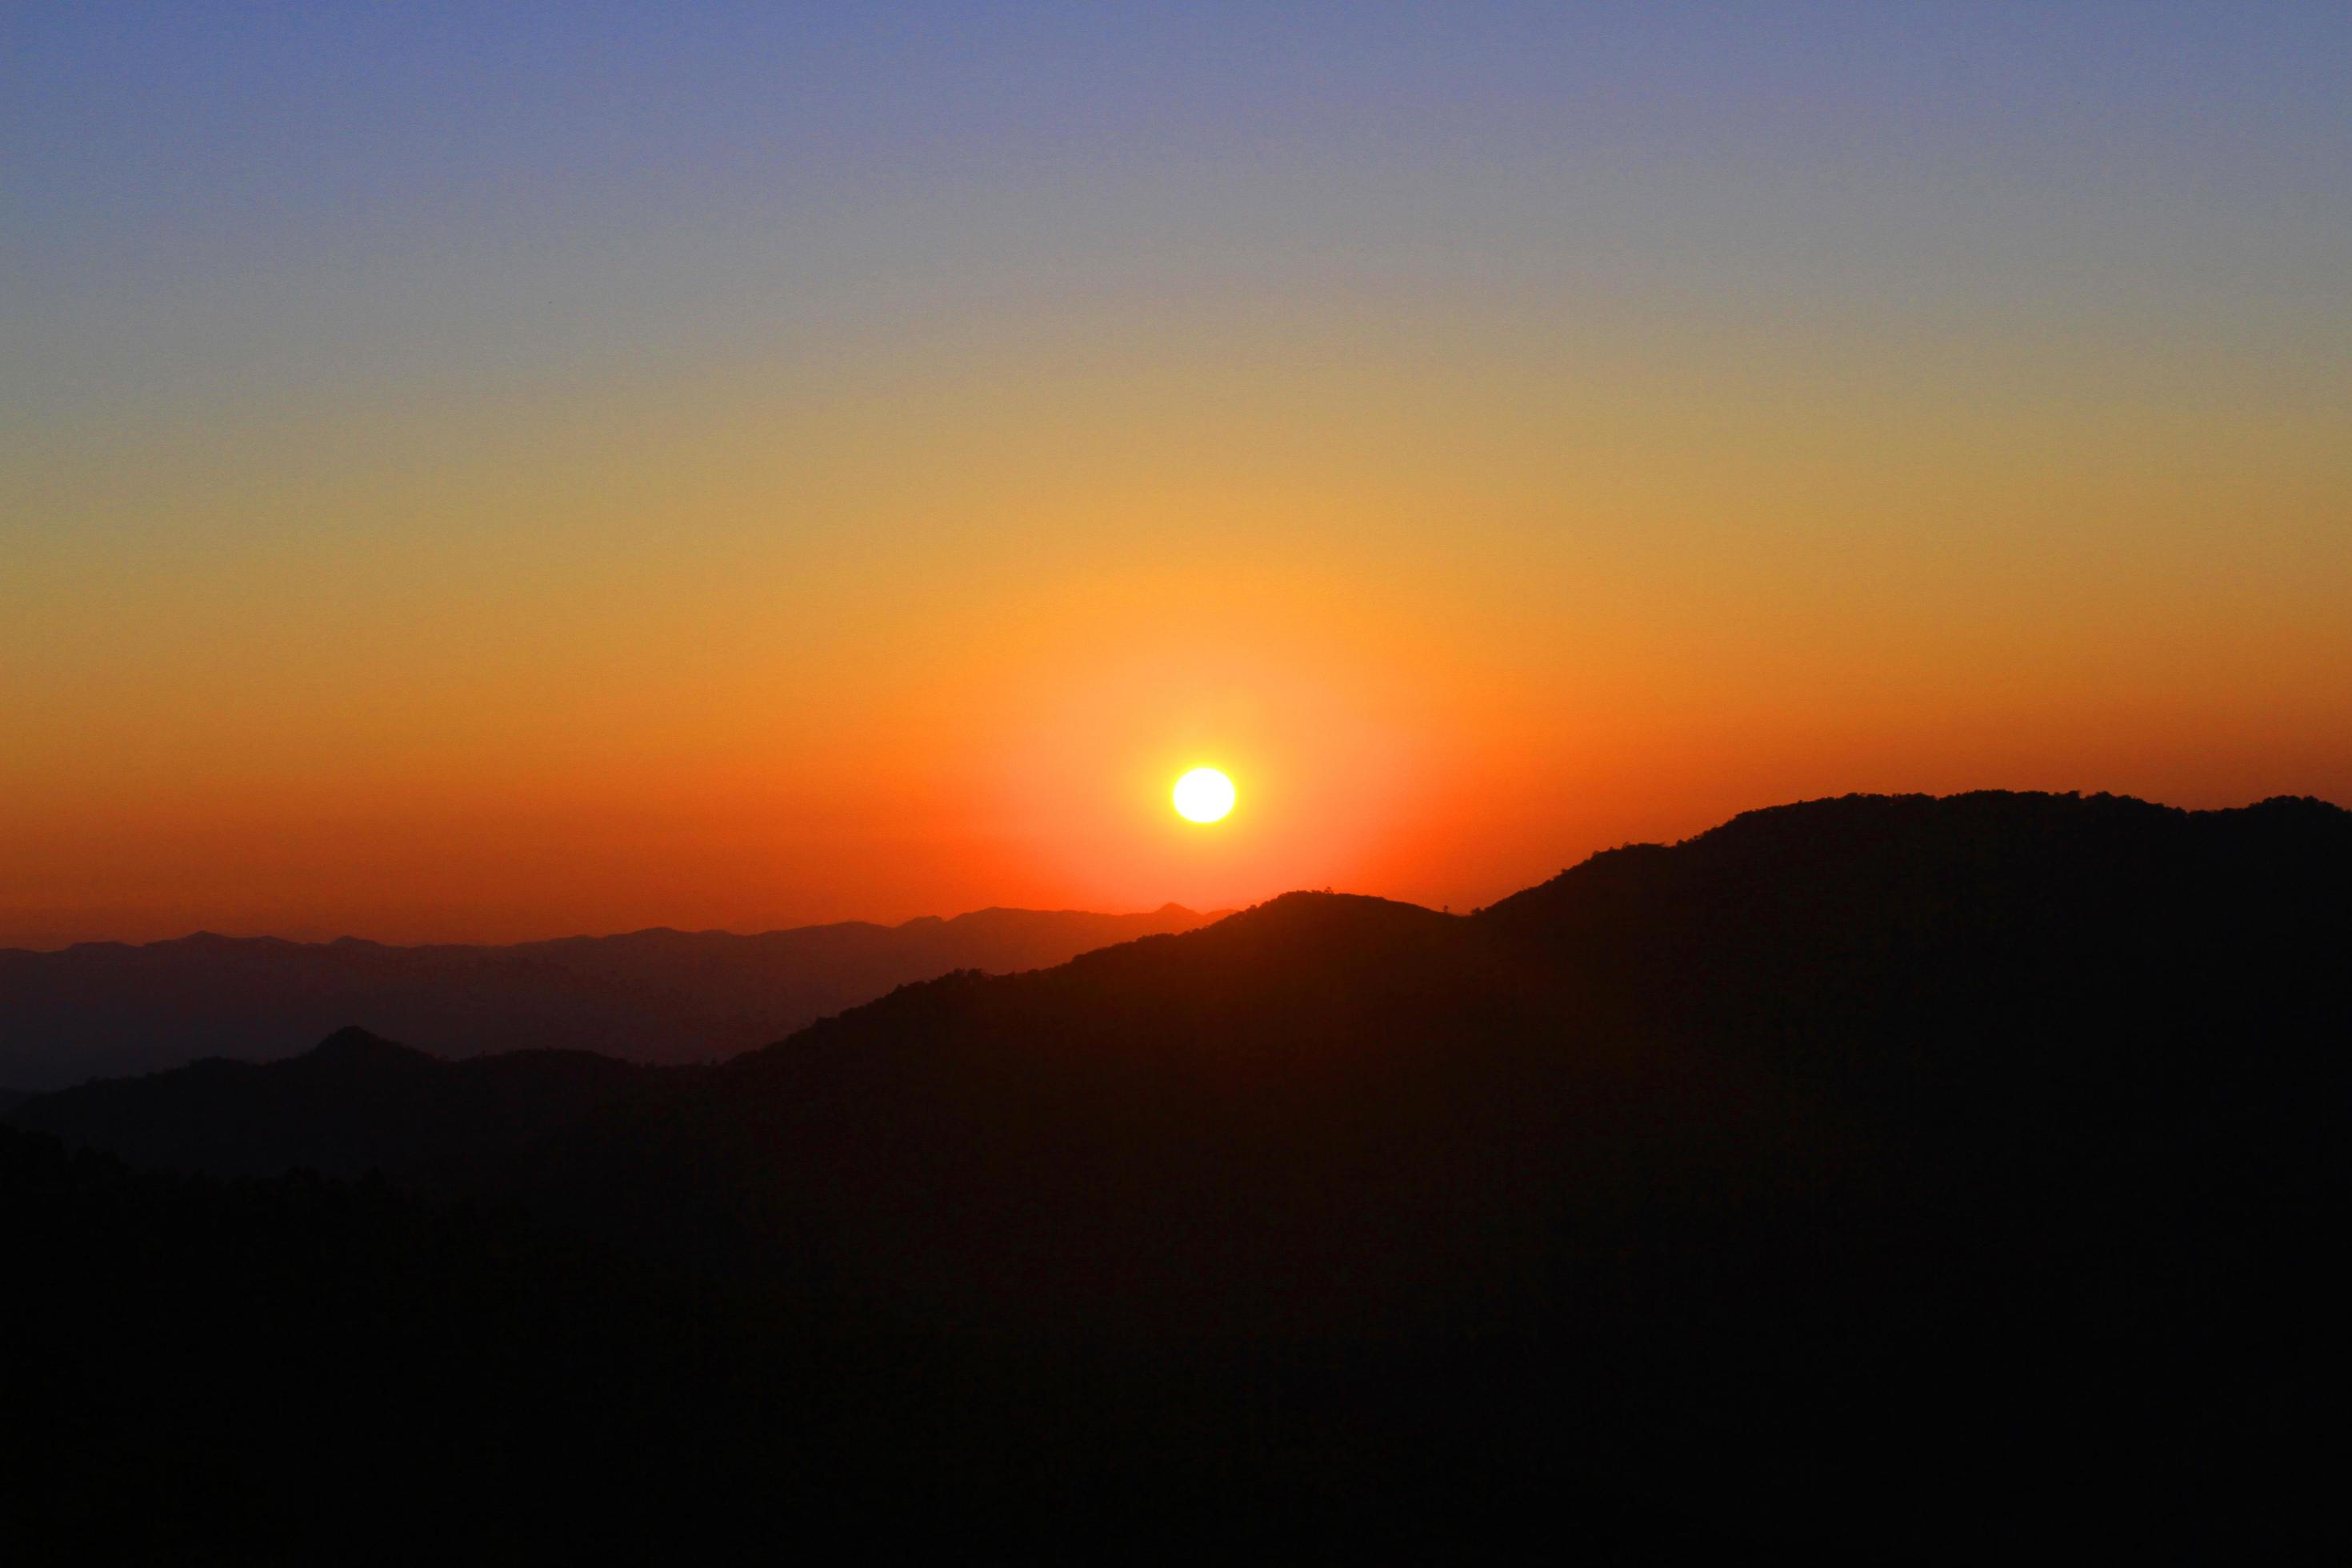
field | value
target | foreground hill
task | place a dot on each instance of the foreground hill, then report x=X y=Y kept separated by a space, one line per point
x=1911 y=1177
x=105 y=1009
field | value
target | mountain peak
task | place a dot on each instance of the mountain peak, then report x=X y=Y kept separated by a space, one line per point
x=353 y=1043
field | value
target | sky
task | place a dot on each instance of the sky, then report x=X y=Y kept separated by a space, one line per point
x=479 y=473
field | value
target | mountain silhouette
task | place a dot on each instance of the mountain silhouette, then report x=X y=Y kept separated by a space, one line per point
x=105 y=1009
x=352 y=1104
x=1841 y=1177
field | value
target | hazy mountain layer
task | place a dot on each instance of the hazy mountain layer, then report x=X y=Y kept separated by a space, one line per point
x=105 y=1009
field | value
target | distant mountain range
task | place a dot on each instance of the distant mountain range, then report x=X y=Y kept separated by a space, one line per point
x=1899 y=1178
x=106 y=1009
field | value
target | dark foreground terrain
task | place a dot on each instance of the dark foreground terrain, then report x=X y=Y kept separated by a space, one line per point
x=1922 y=1179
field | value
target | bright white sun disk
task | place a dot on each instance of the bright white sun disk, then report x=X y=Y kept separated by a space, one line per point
x=1204 y=794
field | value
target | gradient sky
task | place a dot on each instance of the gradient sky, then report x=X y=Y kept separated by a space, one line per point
x=487 y=472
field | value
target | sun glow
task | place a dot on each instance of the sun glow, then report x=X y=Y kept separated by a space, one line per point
x=1204 y=794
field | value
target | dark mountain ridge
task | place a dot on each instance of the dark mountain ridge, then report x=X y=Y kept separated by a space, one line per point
x=106 y=1009
x=352 y=1104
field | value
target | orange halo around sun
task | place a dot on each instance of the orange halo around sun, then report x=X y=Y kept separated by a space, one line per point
x=1204 y=794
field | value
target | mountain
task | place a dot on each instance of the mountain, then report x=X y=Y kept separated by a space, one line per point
x=1897 y=1177
x=105 y=1009
x=352 y=1104
x=1990 y=992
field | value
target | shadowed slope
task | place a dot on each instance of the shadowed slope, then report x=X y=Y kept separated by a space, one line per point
x=1861 y=1116
x=1986 y=961
x=1288 y=1118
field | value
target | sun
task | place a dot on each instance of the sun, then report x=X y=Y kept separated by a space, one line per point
x=1204 y=794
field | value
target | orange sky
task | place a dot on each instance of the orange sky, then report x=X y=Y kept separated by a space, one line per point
x=697 y=555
